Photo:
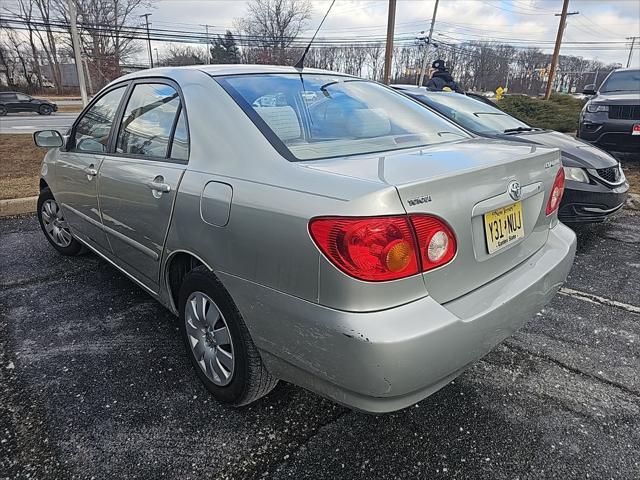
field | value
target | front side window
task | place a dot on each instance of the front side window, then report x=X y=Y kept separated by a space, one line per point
x=472 y=114
x=23 y=98
x=321 y=116
x=92 y=131
x=623 y=81
x=148 y=120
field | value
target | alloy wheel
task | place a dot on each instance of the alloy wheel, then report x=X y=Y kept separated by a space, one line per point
x=209 y=338
x=55 y=225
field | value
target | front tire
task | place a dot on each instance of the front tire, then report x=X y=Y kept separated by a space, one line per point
x=45 y=110
x=218 y=342
x=54 y=225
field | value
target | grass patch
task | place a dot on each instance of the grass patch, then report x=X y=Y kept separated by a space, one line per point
x=560 y=112
x=69 y=108
x=20 y=166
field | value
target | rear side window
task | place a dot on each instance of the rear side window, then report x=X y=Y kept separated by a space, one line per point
x=92 y=131
x=148 y=120
x=7 y=97
x=180 y=144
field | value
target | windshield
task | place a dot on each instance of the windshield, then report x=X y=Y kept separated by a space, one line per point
x=472 y=114
x=314 y=116
x=623 y=81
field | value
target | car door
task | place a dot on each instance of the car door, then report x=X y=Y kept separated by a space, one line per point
x=10 y=100
x=24 y=103
x=78 y=164
x=138 y=181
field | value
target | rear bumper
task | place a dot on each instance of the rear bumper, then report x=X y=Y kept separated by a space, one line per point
x=386 y=360
x=584 y=203
x=611 y=135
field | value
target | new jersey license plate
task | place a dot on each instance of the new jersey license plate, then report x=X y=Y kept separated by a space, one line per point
x=503 y=226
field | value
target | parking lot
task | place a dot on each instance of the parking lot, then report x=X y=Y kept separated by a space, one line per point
x=94 y=383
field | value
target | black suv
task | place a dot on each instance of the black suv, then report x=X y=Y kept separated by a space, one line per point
x=611 y=118
x=19 y=102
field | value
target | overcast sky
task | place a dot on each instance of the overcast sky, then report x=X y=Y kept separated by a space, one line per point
x=524 y=22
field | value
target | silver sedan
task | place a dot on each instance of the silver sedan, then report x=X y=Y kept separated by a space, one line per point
x=309 y=226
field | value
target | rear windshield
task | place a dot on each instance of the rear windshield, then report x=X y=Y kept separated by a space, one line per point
x=472 y=114
x=310 y=117
x=625 y=81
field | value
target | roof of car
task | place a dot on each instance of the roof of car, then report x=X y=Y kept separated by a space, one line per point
x=232 y=69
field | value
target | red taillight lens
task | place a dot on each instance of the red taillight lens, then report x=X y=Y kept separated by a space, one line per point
x=556 y=192
x=384 y=248
x=436 y=242
x=373 y=249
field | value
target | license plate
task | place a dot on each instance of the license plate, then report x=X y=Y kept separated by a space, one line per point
x=503 y=226
x=636 y=129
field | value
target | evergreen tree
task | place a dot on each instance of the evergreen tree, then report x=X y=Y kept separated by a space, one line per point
x=225 y=49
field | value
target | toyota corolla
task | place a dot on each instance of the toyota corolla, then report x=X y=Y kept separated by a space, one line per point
x=309 y=226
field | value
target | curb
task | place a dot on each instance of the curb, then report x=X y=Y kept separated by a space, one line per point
x=18 y=206
x=633 y=201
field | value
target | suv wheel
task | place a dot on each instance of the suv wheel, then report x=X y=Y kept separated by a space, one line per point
x=45 y=110
x=54 y=225
x=218 y=342
x=3 y=110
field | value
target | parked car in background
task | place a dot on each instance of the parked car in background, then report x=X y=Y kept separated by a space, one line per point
x=14 y=102
x=317 y=228
x=611 y=118
x=595 y=185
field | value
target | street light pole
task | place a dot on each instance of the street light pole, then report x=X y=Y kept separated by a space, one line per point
x=556 y=50
x=388 y=54
x=206 y=27
x=426 y=50
x=146 y=17
x=75 y=40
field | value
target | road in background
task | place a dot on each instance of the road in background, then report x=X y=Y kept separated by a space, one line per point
x=94 y=381
x=29 y=123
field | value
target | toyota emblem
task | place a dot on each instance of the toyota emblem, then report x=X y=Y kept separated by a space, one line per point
x=515 y=190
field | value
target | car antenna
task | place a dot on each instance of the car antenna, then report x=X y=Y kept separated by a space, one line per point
x=300 y=63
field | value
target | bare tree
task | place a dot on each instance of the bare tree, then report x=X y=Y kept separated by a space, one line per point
x=275 y=24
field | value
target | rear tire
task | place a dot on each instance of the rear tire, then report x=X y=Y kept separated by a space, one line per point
x=45 y=110
x=3 y=110
x=54 y=225
x=218 y=342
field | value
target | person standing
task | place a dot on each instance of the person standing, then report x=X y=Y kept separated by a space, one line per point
x=440 y=79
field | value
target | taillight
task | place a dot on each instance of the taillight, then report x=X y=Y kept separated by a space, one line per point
x=436 y=242
x=556 y=192
x=384 y=248
x=374 y=249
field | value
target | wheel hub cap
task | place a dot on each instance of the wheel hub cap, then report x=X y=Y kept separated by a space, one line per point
x=54 y=224
x=209 y=338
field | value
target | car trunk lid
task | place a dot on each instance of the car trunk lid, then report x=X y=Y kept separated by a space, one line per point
x=460 y=182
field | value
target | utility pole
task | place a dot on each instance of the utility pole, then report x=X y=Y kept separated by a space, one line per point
x=388 y=53
x=556 y=50
x=75 y=40
x=426 y=51
x=633 y=42
x=157 y=58
x=146 y=17
x=206 y=27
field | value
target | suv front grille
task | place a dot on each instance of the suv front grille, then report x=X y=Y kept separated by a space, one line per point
x=610 y=174
x=624 y=112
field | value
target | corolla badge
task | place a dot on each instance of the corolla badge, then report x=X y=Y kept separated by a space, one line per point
x=515 y=190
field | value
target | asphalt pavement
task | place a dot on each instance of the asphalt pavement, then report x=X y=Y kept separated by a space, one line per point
x=30 y=122
x=95 y=383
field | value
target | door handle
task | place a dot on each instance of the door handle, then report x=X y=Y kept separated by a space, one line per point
x=90 y=171
x=159 y=186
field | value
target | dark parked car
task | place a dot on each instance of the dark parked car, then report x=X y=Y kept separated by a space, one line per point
x=11 y=102
x=611 y=118
x=595 y=184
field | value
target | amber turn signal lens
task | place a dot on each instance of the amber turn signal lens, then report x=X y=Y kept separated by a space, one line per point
x=398 y=255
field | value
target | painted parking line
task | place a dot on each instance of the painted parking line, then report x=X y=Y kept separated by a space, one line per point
x=589 y=297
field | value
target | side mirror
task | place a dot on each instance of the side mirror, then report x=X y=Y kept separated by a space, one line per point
x=48 y=139
x=589 y=89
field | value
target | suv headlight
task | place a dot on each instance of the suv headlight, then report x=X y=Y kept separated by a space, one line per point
x=576 y=174
x=595 y=108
